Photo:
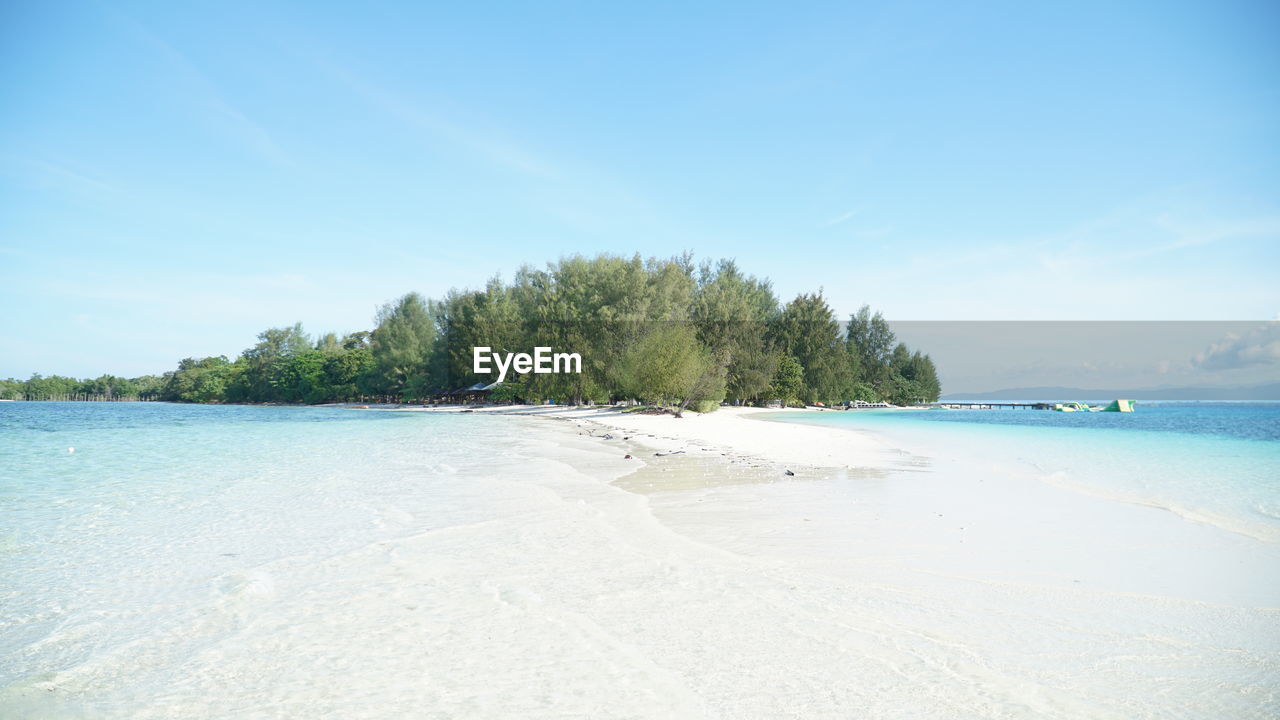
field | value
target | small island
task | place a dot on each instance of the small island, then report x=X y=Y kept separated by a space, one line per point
x=660 y=331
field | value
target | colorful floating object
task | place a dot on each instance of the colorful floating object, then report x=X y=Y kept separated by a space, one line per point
x=1115 y=406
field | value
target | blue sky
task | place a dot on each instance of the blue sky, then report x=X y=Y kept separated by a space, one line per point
x=176 y=177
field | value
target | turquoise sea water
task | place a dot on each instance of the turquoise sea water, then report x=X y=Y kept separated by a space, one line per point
x=1210 y=462
x=122 y=521
x=267 y=562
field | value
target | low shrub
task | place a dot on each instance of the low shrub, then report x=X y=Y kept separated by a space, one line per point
x=704 y=406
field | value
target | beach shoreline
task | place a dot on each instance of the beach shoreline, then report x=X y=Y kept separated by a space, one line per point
x=724 y=430
x=524 y=565
x=1005 y=516
x=980 y=528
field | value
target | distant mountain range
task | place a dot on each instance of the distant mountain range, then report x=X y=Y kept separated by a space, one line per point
x=1067 y=394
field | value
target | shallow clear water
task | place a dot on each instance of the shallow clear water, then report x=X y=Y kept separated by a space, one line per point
x=133 y=535
x=1241 y=420
x=1210 y=462
x=208 y=561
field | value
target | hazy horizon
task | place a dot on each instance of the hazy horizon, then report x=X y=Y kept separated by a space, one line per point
x=979 y=357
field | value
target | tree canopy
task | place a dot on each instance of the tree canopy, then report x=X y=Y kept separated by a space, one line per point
x=662 y=331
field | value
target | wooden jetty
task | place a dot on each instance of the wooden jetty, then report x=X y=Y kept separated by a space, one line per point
x=993 y=405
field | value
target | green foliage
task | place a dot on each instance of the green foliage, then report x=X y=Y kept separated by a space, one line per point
x=149 y=387
x=486 y=318
x=105 y=387
x=704 y=406
x=260 y=376
x=787 y=385
x=53 y=387
x=916 y=380
x=889 y=370
x=298 y=377
x=658 y=330
x=864 y=392
x=328 y=342
x=199 y=380
x=807 y=331
x=401 y=347
x=663 y=365
x=869 y=339
x=508 y=392
x=343 y=370
x=109 y=387
x=731 y=312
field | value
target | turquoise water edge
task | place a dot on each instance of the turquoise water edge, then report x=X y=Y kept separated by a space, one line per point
x=1211 y=462
x=162 y=560
x=125 y=521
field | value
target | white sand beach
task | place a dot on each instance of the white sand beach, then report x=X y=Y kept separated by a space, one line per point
x=927 y=582
x=514 y=563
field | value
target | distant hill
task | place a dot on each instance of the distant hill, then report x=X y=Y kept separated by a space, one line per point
x=1067 y=394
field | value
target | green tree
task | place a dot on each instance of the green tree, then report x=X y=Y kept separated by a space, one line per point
x=328 y=342
x=667 y=366
x=299 y=377
x=199 y=380
x=657 y=329
x=53 y=387
x=732 y=312
x=356 y=340
x=870 y=340
x=343 y=371
x=401 y=347
x=787 y=385
x=807 y=330
x=920 y=371
x=109 y=386
x=255 y=379
x=149 y=387
x=487 y=318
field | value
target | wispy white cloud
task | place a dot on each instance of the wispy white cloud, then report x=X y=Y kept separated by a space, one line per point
x=1090 y=269
x=221 y=287
x=232 y=120
x=841 y=219
x=1195 y=235
x=875 y=233
x=574 y=194
x=489 y=144
x=249 y=133
x=60 y=174
x=18 y=253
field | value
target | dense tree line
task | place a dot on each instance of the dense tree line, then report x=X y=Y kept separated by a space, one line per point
x=662 y=331
x=106 y=387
